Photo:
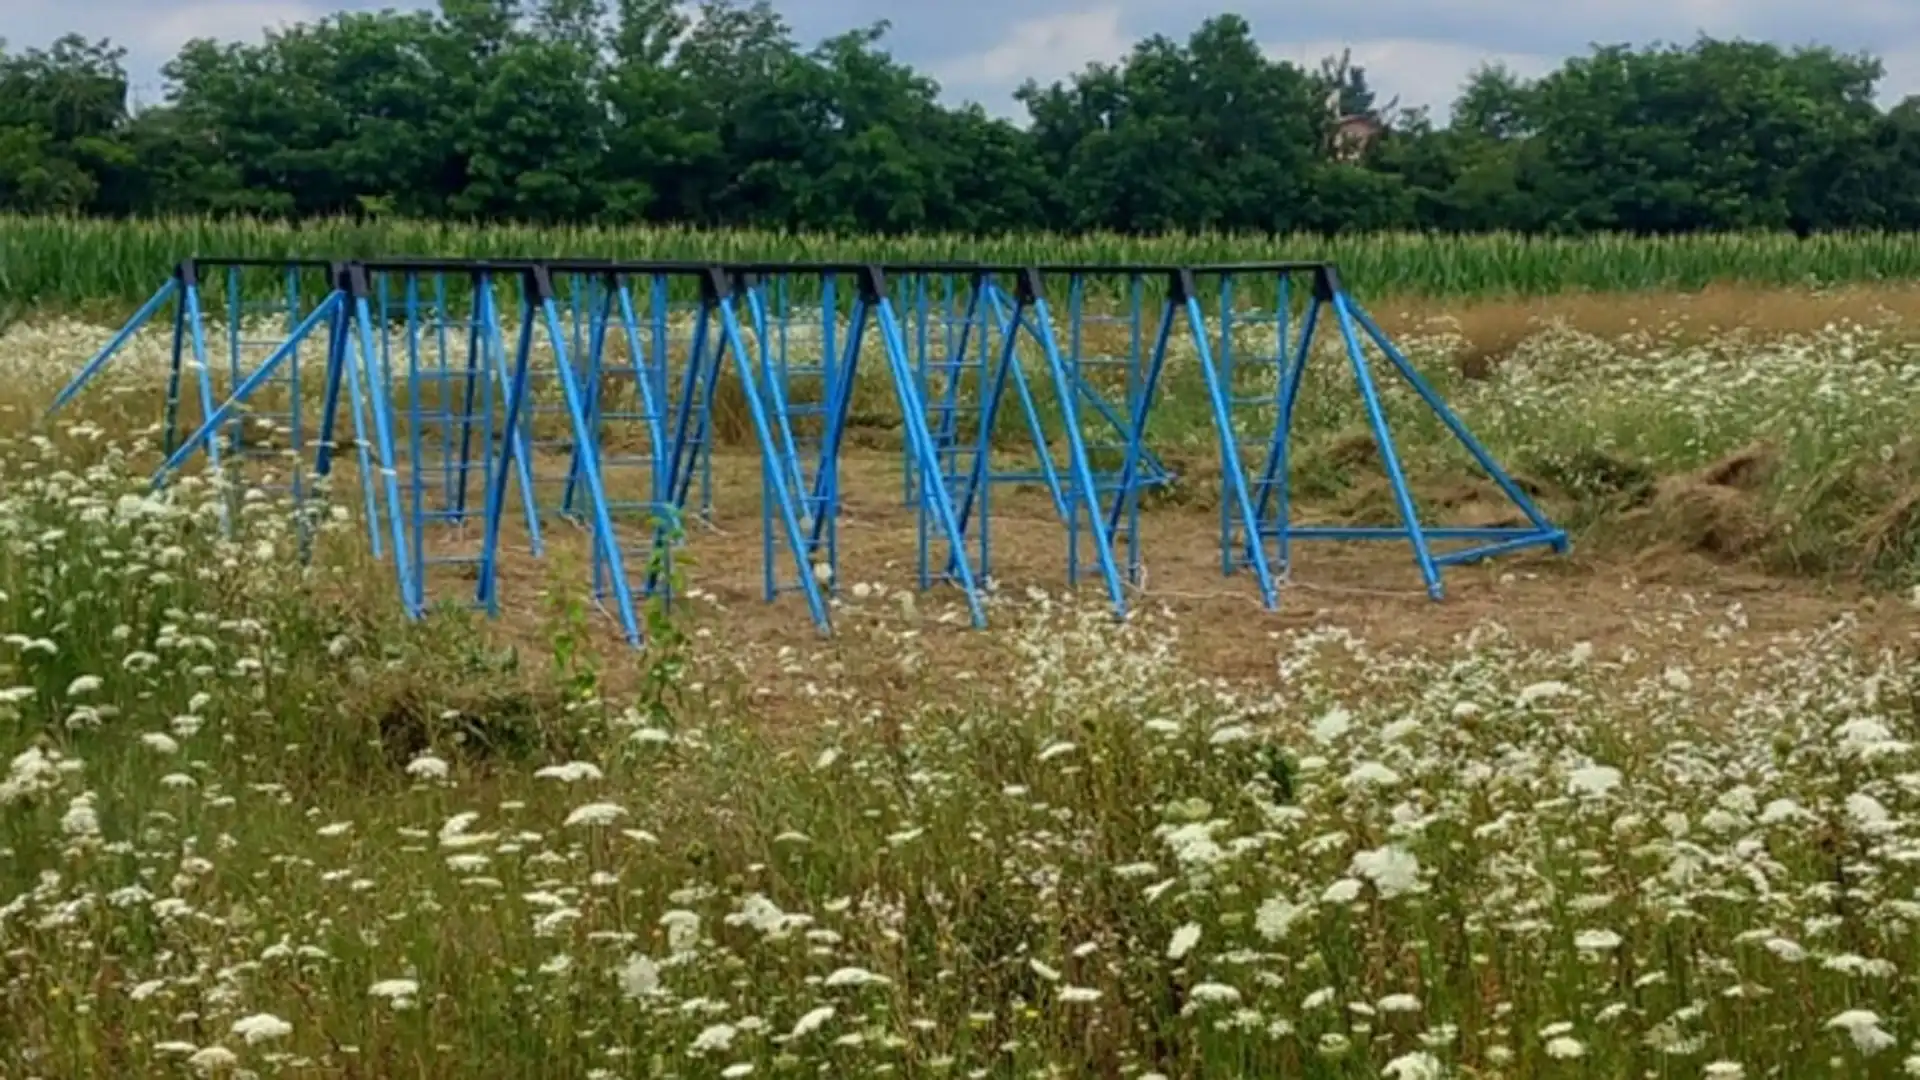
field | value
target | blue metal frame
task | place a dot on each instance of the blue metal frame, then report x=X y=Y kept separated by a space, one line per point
x=540 y=294
x=1029 y=316
x=782 y=510
x=1243 y=543
x=934 y=323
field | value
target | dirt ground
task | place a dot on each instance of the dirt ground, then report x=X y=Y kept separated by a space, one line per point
x=1607 y=598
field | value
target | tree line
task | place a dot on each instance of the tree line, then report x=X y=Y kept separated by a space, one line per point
x=640 y=111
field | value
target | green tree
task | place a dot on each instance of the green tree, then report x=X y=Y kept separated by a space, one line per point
x=625 y=110
x=1715 y=135
x=61 y=111
x=1210 y=134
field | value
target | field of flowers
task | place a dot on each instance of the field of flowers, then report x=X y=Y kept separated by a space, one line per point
x=251 y=823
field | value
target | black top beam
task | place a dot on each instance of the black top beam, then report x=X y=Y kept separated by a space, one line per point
x=760 y=269
x=266 y=263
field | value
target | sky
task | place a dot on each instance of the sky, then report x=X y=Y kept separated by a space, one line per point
x=1420 y=50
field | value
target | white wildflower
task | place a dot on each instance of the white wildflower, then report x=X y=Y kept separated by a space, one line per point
x=1277 y=915
x=1418 y=1065
x=1213 y=993
x=714 y=1037
x=1596 y=941
x=1565 y=1047
x=596 y=814
x=813 y=1021
x=160 y=742
x=1184 y=939
x=1593 y=781
x=213 y=1059
x=571 y=773
x=1863 y=1027
x=1393 y=870
x=261 y=1027
x=395 y=990
x=639 y=977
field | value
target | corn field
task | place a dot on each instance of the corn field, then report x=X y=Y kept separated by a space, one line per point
x=64 y=264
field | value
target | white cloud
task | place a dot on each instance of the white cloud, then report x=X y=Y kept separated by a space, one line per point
x=1903 y=73
x=152 y=32
x=163 y=31
x=1045 y=48
x=1420 y=72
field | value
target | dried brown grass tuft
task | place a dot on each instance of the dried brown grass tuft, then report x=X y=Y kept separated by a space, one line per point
x=1493 y=329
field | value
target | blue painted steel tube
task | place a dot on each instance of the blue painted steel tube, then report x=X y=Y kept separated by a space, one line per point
x=416 y=472
x=1079 y=467
x=520 y=458
x=325 y=311
x=604 y=536
x=1230 y=470
x=112 y=348
x=1454 y=424
x=789 y=519
x=933 y=485
x=1376 y=416
x=496 y=496
x=383 y=431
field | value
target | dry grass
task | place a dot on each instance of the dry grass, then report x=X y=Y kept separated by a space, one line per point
x=1492 y=329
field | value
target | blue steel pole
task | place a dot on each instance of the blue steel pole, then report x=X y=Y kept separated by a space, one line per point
x=730 y=329
x=231 y=407
x=1377 y=418
x=382 y=427
x=416 y=419
x=517 y=441
x=205 y=379
x=604 y=536
x=496 y=494
x=933 y=484
x=119 y=340
x=1081 y=469
x=1231 y=473
x=1277 y=477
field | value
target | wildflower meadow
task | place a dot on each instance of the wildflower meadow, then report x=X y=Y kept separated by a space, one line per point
x=1651 y=809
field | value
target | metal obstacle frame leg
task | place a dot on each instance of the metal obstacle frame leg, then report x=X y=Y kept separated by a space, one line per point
x=872 y=302
x=720 y=294
x=231 y=409
x=1029 y=313
x=182 y=289
x=1234 y=494
x=541 y=307
x=1352 y=322
x=1125 y=512
x=691 y=423
x=965 y=354
x=344 y=311
x=648 y=370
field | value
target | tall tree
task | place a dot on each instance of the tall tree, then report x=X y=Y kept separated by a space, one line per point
x=626 y=110
x=61 y=110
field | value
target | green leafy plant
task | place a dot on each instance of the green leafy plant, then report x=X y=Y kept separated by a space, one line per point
x=667 y=645
x=575 y=666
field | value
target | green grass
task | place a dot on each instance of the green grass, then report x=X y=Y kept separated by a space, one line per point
x=64 y=264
